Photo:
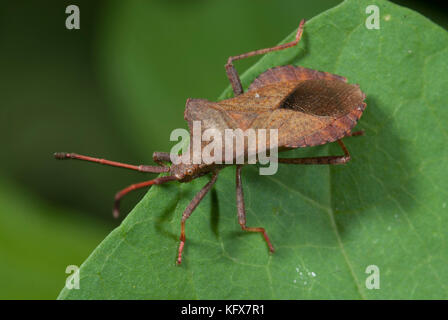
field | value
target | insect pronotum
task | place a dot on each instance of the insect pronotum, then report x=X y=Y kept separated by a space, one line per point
x=306 y=106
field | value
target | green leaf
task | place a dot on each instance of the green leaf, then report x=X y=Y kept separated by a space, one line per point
x=387 y=207
x=32 y=264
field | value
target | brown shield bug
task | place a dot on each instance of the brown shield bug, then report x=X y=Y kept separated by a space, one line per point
x=306 y=106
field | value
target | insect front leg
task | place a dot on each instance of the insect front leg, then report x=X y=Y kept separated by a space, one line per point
x=190 y=208
x=242 y=209
x=232 y=74
x=161 y=157
x=320 y=160
x=121 y=193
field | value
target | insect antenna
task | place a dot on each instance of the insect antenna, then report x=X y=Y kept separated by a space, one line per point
x=136 y=186
x=141 y=168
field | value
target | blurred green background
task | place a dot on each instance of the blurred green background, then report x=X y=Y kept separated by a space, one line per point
x=115 y=89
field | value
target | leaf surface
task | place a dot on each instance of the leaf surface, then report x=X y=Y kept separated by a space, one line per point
x=32 y=264
x=387 y=207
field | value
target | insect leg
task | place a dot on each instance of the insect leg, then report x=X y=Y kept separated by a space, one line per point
x=356 y=133
x=126 y=190
x=242 y=209
x=232 y=74
x=141 y=168
x=320 y=160
x=190 y=208
x=161 y=157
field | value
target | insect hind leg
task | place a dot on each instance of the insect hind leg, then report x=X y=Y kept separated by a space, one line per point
x=356 y=133
x=242 y=210
x=320 y=160
x=232 y=74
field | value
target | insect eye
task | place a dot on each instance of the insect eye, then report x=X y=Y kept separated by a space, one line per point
x=189 y=172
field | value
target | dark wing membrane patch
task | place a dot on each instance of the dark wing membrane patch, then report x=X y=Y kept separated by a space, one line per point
x=323 y=98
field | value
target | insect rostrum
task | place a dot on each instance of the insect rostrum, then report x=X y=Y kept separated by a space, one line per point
x=306 y=106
